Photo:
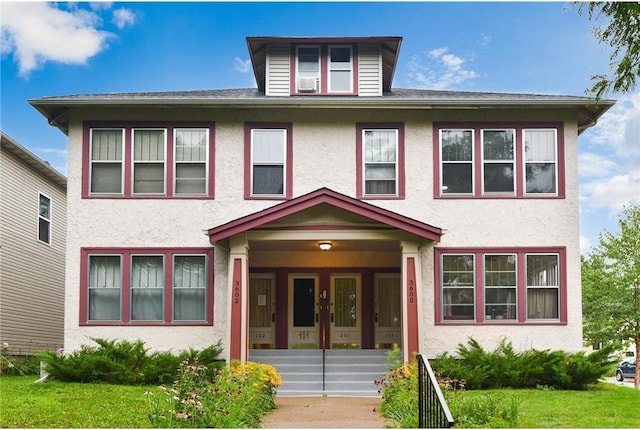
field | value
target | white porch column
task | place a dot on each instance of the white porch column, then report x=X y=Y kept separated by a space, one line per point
x=238 y=284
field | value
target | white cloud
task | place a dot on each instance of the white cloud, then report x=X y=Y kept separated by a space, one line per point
x=585 y=244
x=592 y=165
x=37 y=32
x=441 y=71
x=242 y=66
x=123 y=17
x=615 y=192
x=619 y=128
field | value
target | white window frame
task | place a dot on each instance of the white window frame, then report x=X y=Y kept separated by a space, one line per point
x=174 y=287
x=511 y=287
x=92 y=162
x=443 y=288
x=395 y=163
x=318 y=76
x=485 y=162
x=142 y=162
x=132 y=287
x=120 y=288
x=330 y=69
x=176 y=162
x=556 y=287
x=270 y=162
x=525 y=161
x=48 y=220
x=472 y=162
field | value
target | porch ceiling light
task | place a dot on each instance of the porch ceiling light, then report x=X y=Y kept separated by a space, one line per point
x=325 y=246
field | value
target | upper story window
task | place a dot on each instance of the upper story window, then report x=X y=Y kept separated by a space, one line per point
x=380 y=158
x=131 y=286
x=489 y=286
x=138 y=161
x=324 y=69
x=268 y=171
x=494 y=160
x=44 y=219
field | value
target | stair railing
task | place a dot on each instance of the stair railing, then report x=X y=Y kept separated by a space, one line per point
x=433 y=411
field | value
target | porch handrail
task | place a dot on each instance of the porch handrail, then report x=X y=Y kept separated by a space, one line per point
x=433 y=411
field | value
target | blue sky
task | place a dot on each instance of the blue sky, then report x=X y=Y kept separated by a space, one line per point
x=53 y=49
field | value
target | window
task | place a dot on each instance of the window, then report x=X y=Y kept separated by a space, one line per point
x=150 y=160
x=308 y=68
x=340 y=69
x=268 y=153
x=499 y=160
x=106 y=161
x=489 y=286
x=146 y=286
x=44 y=219
x=540 y=156
x=324 y=69
x=380 y=158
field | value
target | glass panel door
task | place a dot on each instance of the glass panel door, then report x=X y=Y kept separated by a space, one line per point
x=388 y=316
x=262 y=311
x=345 y=320
x=303 y=311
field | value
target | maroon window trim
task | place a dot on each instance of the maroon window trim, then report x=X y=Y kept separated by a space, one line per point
x=125 y=256
x=521 y=284
x=324 y=69
x=519 y=161
x=360 y=190
x=288 y=173
x=128 y=163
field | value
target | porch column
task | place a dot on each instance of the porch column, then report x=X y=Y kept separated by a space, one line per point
x=410 y=282
x=239 y=269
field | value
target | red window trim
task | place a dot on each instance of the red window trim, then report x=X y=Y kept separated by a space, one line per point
x=128 y=126
x=521 y=253
x=125 y=254
x=519 y=161
x=288 y=180
x=360 y=127
x=324 y=69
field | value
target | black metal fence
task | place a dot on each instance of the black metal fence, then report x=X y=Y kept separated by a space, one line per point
x=433 y=411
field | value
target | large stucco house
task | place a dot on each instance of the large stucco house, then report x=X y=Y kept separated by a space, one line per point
x=323 y=209
x=33 y=228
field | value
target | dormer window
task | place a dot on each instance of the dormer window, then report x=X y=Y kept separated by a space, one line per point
x=324 y=69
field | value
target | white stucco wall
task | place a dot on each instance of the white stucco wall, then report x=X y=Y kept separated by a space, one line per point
x=324 y=156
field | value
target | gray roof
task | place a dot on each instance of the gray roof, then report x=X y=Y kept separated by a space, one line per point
x=39 y=165
x=56 y=108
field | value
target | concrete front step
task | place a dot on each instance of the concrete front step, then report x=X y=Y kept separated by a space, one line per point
x=347 y=372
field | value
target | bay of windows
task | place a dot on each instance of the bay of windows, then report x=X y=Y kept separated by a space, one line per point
x=498 y=160
x=128 y=287
x=324 y=69
x=500 y=286
x=174 y=160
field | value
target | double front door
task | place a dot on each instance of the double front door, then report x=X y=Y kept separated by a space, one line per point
x=324 y=316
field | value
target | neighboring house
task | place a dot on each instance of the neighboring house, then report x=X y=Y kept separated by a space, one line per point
x=33 y=233
x=200 y=215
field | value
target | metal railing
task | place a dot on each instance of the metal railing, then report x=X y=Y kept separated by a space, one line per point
x=433 y=411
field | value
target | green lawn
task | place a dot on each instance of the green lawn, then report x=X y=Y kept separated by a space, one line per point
x=56 y=404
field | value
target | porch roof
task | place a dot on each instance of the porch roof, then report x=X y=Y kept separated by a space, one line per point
x=332 y=198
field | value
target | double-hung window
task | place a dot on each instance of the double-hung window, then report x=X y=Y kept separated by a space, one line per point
x=380 y=158
x=308 y=69
x=499 y=160
x=268 y=152
x=148 y=160
x=44 y=219
x=510 y=286
x=340 y=69
x=149 y=153
x=146 y=287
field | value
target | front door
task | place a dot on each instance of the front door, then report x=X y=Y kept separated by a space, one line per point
x=303 y=311
x=346 y=311
x=388 y=316
x=262 y=311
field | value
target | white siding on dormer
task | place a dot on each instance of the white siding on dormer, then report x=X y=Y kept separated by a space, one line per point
x=278 y=71
x=369 y=70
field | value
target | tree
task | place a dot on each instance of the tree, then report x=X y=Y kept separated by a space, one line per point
x=611 y=286
x=621 y=34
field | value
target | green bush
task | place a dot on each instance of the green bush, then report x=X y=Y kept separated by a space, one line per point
x=506 y=368
x=122 y=362
x=488 y=410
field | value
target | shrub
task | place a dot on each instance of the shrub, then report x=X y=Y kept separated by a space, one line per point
x=399 y=390
x=235 y=397
x=121 y=362
x=18 y=366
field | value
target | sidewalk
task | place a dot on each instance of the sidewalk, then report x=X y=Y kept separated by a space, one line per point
x=326 y=412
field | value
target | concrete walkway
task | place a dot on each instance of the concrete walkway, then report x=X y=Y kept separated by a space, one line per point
x=326 y=412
